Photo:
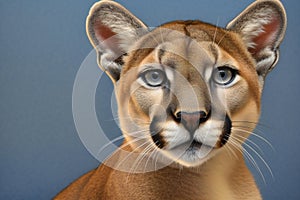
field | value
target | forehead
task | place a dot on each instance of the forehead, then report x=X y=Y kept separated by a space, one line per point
x=187 y=42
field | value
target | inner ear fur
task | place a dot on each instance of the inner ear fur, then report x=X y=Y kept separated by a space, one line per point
x=112 y=29
x=262 y=27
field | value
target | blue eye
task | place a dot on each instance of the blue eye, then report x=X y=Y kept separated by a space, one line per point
x=224 y=75
x=154 y=77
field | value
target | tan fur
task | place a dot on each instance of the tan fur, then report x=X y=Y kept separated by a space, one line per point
x=189 y=52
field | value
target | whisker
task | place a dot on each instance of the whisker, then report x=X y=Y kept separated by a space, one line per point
x=253 y=162
x=129 y=119
x=262 y=159
x=161 y=36
x=249 y=157
x=216 y=30
x=127 y=143
x=250 y=141
x=153 y=37
x=222 y=38
x=131 y=141
x=139 y=159
x=250 y=122
x=253 y=128
x=231 y=151
x=110 y=142
x=236 y=145
x=131 y=153
x=256 y=135
x=136 y=133
x=156 y=160
x=149 y=157
x=122 y=137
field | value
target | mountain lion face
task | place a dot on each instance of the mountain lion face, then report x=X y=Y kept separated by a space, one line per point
x=187 y=90
x=184 y=92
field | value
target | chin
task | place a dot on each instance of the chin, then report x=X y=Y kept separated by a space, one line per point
x=188 y=155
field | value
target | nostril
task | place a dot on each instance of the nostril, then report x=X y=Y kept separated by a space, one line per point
x=203 y=116
x=177 y=117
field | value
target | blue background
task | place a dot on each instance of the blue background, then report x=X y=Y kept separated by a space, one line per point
x=42 y=44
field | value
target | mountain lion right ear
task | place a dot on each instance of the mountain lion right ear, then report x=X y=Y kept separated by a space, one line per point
x=262 y=27
x=112 y=30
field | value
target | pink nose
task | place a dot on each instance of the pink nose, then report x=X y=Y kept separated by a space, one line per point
x=191 y=121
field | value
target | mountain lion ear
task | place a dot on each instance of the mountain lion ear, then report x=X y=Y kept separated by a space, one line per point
x=262 y=27
x=112 y=30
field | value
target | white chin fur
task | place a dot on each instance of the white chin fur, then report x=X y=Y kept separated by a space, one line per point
x=190 y=157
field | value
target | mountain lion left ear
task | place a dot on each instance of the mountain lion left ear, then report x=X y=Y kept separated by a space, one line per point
x=262 y=27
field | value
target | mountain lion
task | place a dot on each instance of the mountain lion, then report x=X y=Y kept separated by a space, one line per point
x=188 y=96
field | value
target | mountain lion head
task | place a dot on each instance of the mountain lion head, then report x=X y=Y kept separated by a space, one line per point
x=187 y=90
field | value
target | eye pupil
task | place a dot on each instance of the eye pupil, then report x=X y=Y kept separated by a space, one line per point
x=155 y=75
x=222 y=74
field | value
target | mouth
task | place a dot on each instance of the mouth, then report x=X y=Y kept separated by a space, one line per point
x=195 y=145
x=192 y=146
x=191 y=153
